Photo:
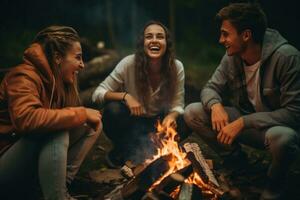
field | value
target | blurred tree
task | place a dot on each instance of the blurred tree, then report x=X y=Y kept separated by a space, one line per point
x=110 y=24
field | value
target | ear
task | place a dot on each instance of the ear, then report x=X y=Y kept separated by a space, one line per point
x=57 y=58
x=247 y=35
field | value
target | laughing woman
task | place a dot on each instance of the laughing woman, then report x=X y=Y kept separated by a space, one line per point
x=44 y=132
x=143 y=88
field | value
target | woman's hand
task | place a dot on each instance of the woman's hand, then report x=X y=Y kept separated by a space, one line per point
x=93 y=118
x=134 y=106
x=219 y=117
x=170 y=120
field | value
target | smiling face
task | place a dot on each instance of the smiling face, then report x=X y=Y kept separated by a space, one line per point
x=231 y=39
x=155 y=43
x=71 y=63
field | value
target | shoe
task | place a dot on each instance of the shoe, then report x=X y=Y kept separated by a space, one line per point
x=114 y=159
x=69 y=197
x=273 y=190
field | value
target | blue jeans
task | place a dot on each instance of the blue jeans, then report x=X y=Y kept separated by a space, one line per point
x=281 y=141
x=54 y=158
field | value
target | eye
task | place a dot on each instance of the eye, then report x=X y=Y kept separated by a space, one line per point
x=79 y=57
x=161 y=37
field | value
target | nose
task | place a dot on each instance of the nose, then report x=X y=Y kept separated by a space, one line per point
x=221 y=39
x=154 y=38
x=81 y=64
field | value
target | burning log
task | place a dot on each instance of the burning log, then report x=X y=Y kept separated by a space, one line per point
x=170 y=169
x=194 y=154
x=172 y=181
x=143 y=181
x=190 y=192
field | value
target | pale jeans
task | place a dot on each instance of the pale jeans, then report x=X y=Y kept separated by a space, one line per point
x=281 y=141
x=54 y=158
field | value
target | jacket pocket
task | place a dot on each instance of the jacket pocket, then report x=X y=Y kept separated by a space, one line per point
x=272 y=96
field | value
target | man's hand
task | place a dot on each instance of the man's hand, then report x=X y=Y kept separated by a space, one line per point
x=230 y=132
x=93 y=118
x=134 y=106
x=219 y=117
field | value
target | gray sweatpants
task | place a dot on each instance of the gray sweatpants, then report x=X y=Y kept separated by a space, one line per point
x=281 y=141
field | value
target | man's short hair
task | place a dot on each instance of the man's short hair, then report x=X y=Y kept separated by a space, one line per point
x=245 y=16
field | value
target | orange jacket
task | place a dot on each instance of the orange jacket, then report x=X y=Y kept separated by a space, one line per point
x=26 y=100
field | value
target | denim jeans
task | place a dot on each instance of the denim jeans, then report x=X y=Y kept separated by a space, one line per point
x=281 y=141
x=54 y=158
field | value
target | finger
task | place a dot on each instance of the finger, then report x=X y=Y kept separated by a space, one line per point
x=222 y=124
x=97 y=126
x=131 y=111
x=166 y=123
x=138 y=113
x=134 y=111
x=219 y=136
x=227 y=140
x=226 y=122
x=140 y=110
x=218 y=126
x=174 y=124
x=214 y=126
x=222 y=138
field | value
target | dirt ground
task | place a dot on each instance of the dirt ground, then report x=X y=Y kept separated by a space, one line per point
x=95 y=178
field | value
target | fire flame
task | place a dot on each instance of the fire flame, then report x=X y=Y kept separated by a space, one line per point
x=165 y=139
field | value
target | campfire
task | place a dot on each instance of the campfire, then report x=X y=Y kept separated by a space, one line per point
x=175 y=172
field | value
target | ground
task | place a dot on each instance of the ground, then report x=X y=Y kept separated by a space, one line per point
x=95 y=179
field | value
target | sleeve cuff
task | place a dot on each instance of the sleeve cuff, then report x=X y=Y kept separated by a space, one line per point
x=178 y=109
x=211 y=103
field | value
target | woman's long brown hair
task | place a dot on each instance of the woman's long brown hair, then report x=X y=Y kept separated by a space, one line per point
x=168 y=70
x=58 y=40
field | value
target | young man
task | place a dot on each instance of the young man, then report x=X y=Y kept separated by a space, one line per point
x=261 y=76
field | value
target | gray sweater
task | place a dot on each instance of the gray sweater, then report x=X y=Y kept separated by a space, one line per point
x=279 y=85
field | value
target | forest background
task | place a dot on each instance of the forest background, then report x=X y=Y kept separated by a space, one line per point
x=118 y=22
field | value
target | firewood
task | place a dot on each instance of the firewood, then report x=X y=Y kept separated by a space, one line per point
x=143 y=181
x=190 y=192
x=194 y=154
x=169 y=183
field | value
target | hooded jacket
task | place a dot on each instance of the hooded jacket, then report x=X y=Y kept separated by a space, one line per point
x=279 y=85
x=28 y=101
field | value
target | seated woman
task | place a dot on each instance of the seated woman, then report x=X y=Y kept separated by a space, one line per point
x=44 y=132
x=143 y=88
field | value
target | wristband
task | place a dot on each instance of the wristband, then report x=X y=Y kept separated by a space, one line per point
x=123 y=99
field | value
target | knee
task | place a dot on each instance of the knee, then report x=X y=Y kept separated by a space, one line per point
x=282 y=139
x=195 y=111
x=114 y=110
x=61 y=140
x=95 y=134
